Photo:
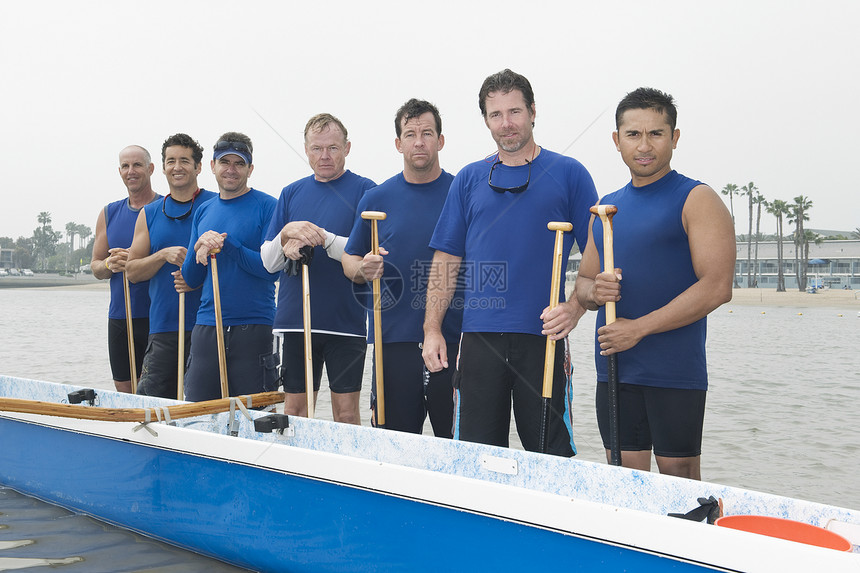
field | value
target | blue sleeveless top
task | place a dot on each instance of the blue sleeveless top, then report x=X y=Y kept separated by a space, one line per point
x=119 y=224
x=166 y=232
x=653 y=252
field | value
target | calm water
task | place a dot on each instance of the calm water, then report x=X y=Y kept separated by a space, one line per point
x=781 y=414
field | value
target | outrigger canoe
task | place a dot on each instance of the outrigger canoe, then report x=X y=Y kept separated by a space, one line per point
x=271 y=493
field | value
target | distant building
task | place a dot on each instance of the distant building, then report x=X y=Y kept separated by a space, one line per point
x=6 y=258
x=834 y=264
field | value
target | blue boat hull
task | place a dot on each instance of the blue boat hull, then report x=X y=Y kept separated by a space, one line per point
x=269 y=521
x=323 y=496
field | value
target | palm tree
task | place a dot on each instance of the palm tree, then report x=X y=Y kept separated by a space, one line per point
x=759 y=200
x=731 y=190
x=750 y=191
x=71 y=231
x=800 y=213
x=44 y=219
x=43 y=237
x=779 y=208
x=84 y=233
x=856 y=233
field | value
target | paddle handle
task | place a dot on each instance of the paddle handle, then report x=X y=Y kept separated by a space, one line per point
x=309 y=360
x=129 y=327
x=374 y=217
x=560 y=229
x=605 y=212
x=180 y=371
x=219 y=328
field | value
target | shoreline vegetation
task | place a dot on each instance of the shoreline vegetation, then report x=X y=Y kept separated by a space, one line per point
x=740 y=296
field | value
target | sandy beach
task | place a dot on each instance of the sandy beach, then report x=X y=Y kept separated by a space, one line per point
x=769 y=297
x=791 y=298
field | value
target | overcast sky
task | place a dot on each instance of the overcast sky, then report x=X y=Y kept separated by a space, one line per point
x=766 y=91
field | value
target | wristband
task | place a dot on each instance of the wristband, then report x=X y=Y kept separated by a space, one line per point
x=106 y=265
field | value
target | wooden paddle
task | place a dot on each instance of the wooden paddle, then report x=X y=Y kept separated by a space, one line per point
x=605 y=212
x=135 y=414
x=129 y=327
x=306 y=315
x=180 y=373
x=373 y=217
x=560 y=229
x=219 y=325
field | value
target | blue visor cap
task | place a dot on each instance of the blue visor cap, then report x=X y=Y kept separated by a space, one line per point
x=223 y=148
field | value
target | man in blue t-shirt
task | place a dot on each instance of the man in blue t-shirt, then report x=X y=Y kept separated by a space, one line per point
x=675 y=240
x=114 y=232
x=232 y=225
x=494 y=226
x=412 y=201
x=318 y=211
x=156 y=253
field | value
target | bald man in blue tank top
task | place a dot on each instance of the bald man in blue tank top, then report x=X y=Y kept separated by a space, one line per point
x=674 y=240
x=114 y=233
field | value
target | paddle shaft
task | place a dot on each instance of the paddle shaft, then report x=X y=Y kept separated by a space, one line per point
x=309 y=361
x=605 y=212
x=180 y=372
x=136 y=414
x=374 y=217
x=549 y=359
x=219 y=328
x=129 y=327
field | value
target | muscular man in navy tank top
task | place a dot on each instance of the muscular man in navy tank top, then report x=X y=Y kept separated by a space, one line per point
x=675 y=242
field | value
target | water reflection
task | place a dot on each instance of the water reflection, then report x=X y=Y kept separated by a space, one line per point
x=38 y=534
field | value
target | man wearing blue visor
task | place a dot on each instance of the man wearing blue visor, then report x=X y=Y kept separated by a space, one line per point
x=232 y=225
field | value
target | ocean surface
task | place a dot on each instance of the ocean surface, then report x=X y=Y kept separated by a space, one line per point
x=781 y=416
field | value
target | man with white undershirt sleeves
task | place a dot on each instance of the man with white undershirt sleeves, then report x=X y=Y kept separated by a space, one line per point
x=318 y=211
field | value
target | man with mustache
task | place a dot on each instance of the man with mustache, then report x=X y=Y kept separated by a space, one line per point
x=675 y=241
x=494 y=224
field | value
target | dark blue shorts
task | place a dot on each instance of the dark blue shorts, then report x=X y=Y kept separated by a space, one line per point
x=118 y=346
x=160 y=374
x=412 y=392
x=342 y=355
x=669 y=419
x=252 y=365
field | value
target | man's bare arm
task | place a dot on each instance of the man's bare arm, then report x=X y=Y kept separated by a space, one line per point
x=441 y=285
x=712 y=249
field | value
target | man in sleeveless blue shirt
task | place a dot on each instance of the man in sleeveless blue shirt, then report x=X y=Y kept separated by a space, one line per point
x=114 y=232
x=494 y=225
x=318 y=211
x=675 y=242
x=232 y=224
x=157 y=251
x=412 y=201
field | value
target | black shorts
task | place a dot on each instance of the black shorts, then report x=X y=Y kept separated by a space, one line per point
x=160 y=374
x=494 y=368
x=118 y=346
x=412 y=392
x=669 y=419
x=252 y=365
x=342 y=355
